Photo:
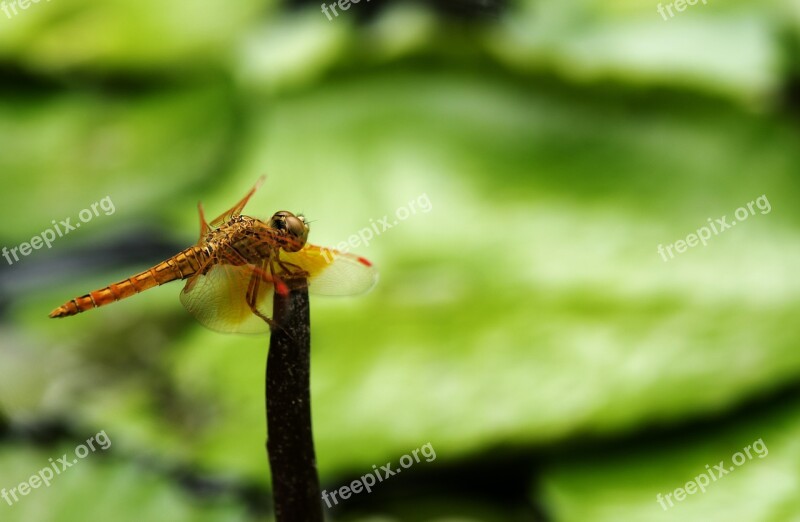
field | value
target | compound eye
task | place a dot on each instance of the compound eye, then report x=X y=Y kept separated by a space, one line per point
x=278 y=220
x=297 y=230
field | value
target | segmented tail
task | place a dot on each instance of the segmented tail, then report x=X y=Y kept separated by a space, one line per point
x=179 y=266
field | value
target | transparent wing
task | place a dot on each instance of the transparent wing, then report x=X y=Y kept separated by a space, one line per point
x=218 y=299
x=332 y=272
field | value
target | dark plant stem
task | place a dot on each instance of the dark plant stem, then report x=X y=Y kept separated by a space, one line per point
x=290 y=443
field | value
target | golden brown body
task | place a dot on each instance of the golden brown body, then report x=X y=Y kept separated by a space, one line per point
x=235 y=243
x=180 y=266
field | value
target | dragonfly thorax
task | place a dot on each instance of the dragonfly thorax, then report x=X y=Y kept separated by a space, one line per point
x=250 y=240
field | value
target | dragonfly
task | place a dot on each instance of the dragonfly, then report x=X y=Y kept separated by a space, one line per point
x=235 y=268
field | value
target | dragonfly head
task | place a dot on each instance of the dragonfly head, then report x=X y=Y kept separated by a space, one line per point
x=292 y=230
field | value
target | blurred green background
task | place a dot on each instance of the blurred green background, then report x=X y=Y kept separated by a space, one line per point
x=525 y=327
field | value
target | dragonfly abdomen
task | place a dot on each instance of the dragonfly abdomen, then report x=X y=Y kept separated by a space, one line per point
x=180 y=266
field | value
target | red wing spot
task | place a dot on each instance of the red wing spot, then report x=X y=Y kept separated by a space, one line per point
x=364 y=262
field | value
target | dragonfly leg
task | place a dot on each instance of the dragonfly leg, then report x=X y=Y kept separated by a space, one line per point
x=280 y=285
x=252 y=298
x=296 y=270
